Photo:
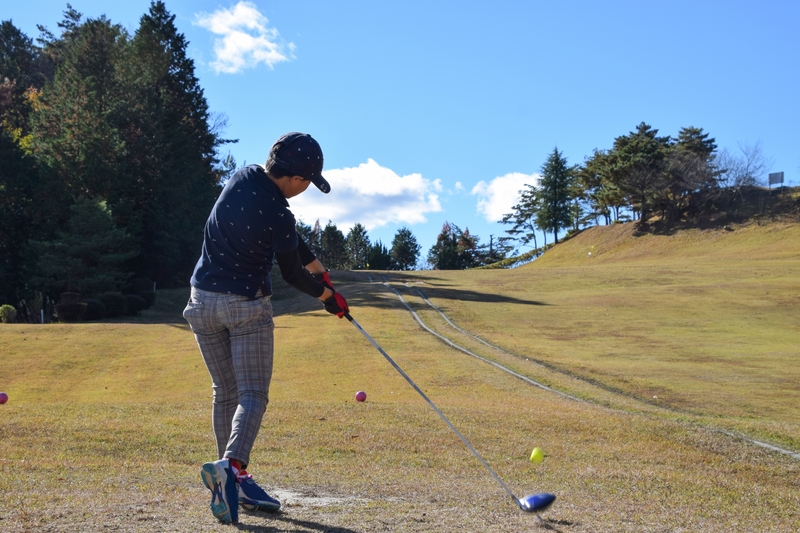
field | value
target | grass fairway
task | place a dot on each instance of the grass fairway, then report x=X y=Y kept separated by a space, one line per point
x=667 y=339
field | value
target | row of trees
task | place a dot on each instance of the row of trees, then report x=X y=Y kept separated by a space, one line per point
x=644 y=176
x=110 y=156
x=454 y=249
x=110 y=161
x=355 y=251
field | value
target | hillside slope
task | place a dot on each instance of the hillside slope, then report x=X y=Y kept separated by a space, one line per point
x=620 y=243
x=703 y=322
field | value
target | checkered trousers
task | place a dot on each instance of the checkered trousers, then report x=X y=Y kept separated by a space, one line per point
x=236 y=339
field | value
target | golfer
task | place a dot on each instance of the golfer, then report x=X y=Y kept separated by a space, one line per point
x=230 y=311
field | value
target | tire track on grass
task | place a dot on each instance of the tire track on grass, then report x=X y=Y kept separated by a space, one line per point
x=476 y=356
x=790 y=453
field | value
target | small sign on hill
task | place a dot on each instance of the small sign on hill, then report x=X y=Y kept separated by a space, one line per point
x=776 y=178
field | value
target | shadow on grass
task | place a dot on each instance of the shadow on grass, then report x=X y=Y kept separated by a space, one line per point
x=310 y=526
x=445 y=293
x=550 y=525
x=432 y=291
x=355 y=285
x=375 y=295
x=474 y=296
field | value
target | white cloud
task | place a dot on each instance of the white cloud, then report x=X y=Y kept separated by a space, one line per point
x=371 y=195
x=497 y=197
x=245 y=39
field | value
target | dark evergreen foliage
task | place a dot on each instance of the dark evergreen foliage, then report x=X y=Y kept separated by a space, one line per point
x=378 y=257
x=95 y=309
x=115 y=303
x=357 y=246
x=553 y=213
x=405 y=250
x=171 y=152
x=149 y=298
x=95 y=114
x=71 y=311
x=134 y=304
x=454 y=249
x=308 y=235
x=332 y=251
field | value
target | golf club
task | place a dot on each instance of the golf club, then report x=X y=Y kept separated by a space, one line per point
x=532 y=503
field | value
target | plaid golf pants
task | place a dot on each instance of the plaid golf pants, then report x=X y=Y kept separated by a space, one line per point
x=236 y=339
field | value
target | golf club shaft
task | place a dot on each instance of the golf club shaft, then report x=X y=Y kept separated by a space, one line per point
x=438 y=412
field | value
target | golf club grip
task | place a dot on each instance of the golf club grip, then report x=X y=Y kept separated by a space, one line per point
x=433 y=406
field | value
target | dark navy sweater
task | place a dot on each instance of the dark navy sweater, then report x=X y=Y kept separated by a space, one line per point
x=249 y=223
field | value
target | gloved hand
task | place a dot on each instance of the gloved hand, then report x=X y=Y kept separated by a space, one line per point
x=324 y=278
x=336 y=305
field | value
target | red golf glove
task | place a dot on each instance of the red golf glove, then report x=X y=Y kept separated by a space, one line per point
x=324 y=278
x=336 y=305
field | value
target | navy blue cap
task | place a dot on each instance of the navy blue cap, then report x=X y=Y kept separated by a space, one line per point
x=301 y=155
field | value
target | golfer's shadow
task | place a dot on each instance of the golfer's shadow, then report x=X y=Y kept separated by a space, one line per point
x=544 y=523
x=283 y=517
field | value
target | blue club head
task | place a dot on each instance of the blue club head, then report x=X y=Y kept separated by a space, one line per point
x=536 y=503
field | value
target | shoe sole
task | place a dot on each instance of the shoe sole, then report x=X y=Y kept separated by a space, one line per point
x=211 y=479
x=260 y=507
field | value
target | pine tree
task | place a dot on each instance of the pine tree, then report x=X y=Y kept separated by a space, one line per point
x=637 y=168
x=88 y=255
x=20 y=72
x=75 y=124
x=357 y=246
x=689 y=175
x=379 y=258
x=522 y=218
x=314 y=241
x=454 y=249
x=332 y=254
x=305 y=232
x=171 y=151
x=595 y=185
x=554 y=192
x=405 y=250
x=20 y=213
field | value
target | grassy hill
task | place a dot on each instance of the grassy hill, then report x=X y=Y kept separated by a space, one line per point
x=703 y=321
x=679 y=347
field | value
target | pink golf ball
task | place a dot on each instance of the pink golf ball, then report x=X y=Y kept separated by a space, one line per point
x=361 y=396
x=4 y=397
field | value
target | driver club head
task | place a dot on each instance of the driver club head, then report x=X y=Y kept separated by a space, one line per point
x=535 y=503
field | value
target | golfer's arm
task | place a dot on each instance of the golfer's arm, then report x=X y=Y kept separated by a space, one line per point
x=312 y=264
x=315 y=267
x=300 y=278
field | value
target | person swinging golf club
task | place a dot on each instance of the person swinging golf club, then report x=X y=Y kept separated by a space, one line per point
x=230 y=312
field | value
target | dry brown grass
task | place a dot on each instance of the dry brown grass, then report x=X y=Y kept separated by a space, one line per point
x=108 y=423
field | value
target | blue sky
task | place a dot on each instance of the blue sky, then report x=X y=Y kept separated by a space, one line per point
x=434 y=111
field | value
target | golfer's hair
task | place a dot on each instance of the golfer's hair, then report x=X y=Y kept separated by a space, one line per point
x=275 y=170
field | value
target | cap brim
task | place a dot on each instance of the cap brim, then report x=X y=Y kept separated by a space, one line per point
x=321 y=183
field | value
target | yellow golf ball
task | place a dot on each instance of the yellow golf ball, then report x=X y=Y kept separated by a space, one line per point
x=537 y=455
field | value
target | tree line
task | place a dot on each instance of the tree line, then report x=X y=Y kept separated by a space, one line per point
x=110 y=161
x=454 y=249
x=110 y=156
x=658 y=181
x=356 y=252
